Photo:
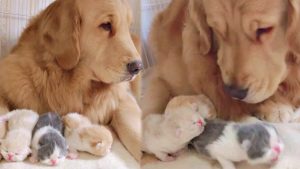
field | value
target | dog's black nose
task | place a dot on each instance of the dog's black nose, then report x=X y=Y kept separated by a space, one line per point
x=236 y=92
x=135 y=67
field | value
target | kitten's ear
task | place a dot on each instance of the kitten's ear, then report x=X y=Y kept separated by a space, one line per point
x=29 y=150
x=69 y=122
x=178 y=132
x=4 y=118
x=246 y=145
x=86 y=133
x=167 y=116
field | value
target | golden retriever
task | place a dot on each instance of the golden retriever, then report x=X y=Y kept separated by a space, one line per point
x=78 y=56
x=240 y=53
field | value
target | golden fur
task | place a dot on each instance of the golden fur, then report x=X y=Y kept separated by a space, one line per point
x=69 y=59
x=202 y=45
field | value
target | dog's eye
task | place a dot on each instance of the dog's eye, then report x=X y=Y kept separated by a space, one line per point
x=106 y=26
x=261 y=31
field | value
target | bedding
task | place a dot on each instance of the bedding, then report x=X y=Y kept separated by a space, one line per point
x=119 y=158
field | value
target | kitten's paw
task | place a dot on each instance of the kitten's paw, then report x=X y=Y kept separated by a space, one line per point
x=72 y=156
x=165 y=157
x=296 y=117
x=276 y=112
x=33 y=159
x=169 y=158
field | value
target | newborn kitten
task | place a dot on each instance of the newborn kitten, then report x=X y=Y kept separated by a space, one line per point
x=15 y=145
x=48 y=144
x=230 y=142
x=82 y=135
x=165 y=135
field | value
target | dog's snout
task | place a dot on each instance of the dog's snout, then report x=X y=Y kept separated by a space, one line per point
x=236 y=92
x=135 y=67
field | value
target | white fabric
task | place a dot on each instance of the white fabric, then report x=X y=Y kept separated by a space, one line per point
x=119 y=158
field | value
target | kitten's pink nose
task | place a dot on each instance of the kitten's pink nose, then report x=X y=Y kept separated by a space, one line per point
x=10 y=156
x=53 y=162
x=277 y=149
x=200 y=123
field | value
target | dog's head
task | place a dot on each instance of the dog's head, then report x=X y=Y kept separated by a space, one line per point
x=251 y=39
x=94 y=32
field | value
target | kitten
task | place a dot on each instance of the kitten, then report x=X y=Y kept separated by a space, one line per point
x=228 y=142
x=165 y=135
x=48 y=144
x=82 y=135
x=16 y=144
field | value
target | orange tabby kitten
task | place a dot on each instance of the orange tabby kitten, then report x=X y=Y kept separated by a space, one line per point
x=82 y=135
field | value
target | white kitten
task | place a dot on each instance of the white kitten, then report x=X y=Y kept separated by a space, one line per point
x=165 y=135
x=15 y=145
x=228 y=142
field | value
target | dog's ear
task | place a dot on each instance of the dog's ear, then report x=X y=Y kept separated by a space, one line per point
x=293 y=35
x=198 y=17
x=60 y=29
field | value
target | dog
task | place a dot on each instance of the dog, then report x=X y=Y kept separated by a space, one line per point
x=241 y=54
x=78 y=56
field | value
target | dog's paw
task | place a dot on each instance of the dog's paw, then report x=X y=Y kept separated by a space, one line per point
x=275 y=112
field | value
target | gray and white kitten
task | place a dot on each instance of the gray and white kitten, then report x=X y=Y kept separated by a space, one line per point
x=48 y=144
x=228 y=142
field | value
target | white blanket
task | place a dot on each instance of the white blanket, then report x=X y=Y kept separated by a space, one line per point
x=119 y=158
x=290 y=158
